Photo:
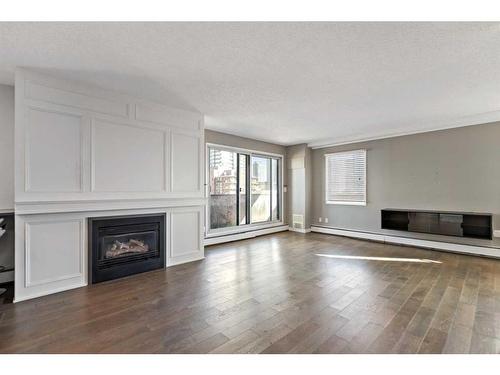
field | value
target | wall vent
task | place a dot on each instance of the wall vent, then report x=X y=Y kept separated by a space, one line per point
x=298 y=221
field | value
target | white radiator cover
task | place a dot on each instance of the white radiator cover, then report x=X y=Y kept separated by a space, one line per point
x=82 y=152
x=297 y=221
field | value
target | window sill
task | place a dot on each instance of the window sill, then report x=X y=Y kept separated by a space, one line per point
x=347 y=203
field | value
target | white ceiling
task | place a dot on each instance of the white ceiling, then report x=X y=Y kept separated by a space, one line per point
x=287 y=83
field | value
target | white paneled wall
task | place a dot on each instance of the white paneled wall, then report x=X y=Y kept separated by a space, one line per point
x=82 y=152
x=79 y=143
x=185 y=246
x=54 y=252
x=186 y=150
x=53 y=152
x=112 y=165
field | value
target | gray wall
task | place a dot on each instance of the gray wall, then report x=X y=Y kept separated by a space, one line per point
x=252 y=144
x=6 y=147
x=299 y=183
x=456 y=170
x=7 y=176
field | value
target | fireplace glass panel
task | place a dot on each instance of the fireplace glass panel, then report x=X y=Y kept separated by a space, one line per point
x=115 y=246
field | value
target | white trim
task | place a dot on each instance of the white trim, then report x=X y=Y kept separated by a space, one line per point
x=188 y=258
x=27 y=150
x=242 y=150
x=299 y=230
x=348 y=233
x=344 y=152
x=189 y=254
x=428 y=244
x=44 y=207
x=347 y=203
x=242 y=229
x=477 y=119
x=25 y=297
x=28 y=283
x=248 y=136
x=245 y=235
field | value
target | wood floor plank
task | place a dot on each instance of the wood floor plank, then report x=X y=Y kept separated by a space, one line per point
x=286 y=343
x=274 y=294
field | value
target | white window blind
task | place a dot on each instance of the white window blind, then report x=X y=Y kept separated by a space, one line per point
x=346 y=177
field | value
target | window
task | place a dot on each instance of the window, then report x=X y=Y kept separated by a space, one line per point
x=245 y=188
x=346 y=177
x=261 y=189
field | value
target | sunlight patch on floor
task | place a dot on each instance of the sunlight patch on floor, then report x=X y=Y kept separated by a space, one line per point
x=384 y=259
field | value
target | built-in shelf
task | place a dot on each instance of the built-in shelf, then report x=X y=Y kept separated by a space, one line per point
x=458 y=224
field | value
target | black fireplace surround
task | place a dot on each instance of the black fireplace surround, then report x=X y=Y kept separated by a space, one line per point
x=125 y=245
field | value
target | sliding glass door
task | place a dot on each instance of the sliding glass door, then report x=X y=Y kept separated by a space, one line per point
x=275 y=191
x=223 y=187
x=261 y=189
x=244 y=188
x=243 y=182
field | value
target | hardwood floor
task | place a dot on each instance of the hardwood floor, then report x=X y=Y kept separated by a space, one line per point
x=281 y=293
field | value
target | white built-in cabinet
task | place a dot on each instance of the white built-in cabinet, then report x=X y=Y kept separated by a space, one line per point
x=83 y=152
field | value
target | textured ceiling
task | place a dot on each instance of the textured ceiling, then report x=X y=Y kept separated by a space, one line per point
x=282 y=82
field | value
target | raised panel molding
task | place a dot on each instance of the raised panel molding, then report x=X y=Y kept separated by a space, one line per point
x=53 y=251
x=127 y=158
x=171 y=166
x=185 y=163
x=160 y=114
x=185 y=247
x=70 y=98
x=53 y=151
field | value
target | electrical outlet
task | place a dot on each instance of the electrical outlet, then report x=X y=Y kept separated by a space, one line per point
x=496 y=233
x=320 y=220
x=326 y=220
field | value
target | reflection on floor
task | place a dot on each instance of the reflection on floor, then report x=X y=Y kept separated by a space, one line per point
x=383 y=259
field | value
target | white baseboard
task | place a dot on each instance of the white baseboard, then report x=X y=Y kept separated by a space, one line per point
x=291 y=229
x=244 y=235
x=349 y=233
x=183 y=260
x=25 y=297
x=427 y=244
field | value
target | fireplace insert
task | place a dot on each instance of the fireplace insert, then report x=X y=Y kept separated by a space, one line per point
x=125 y=245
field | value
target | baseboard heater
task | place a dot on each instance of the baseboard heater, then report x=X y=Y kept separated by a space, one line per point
x=229 y=237
x=491 y=252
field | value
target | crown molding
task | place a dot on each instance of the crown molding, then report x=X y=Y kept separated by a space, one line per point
x=477 y=119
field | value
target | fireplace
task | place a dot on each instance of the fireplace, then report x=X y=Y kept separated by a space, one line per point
x=125 y=245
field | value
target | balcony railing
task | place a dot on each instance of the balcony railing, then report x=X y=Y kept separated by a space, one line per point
x=223 y=210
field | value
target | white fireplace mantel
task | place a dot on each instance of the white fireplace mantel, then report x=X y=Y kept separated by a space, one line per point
x=37 y=207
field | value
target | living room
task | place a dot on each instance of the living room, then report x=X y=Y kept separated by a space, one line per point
x=250 y=187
